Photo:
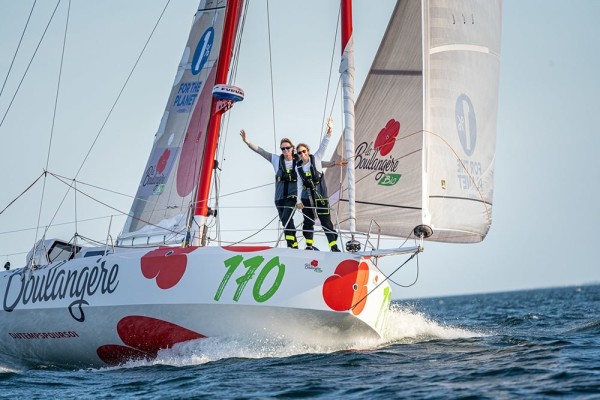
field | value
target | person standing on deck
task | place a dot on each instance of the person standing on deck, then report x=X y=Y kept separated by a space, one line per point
x=313 y=199
x=285 y=184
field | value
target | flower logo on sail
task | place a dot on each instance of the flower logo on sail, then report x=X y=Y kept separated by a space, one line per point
x=162 y=161
x=387 y=137
x=313 y=265
x=167 y=265
x=143 y=338
x=347 y=287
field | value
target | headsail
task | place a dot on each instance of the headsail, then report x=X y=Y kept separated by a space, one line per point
x=162 y=203
x=426 y=123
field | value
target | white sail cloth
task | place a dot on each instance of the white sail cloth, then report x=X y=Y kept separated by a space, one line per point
x=426 y=123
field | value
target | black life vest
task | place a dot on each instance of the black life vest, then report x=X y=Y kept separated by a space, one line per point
x=312 y=177
x=286 y=176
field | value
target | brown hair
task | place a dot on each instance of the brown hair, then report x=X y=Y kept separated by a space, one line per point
x=303 y=145
x=286 y=140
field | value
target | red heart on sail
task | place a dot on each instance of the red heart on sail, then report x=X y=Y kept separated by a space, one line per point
x=387 y=137
x=166 y=264
x=347 y=287
x=162 y=161
x=145 y=336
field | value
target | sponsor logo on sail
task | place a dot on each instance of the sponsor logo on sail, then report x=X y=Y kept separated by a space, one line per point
x=389 y=179
x=186 y=96
x=160 y=165
x=375 y=156
x=202 y=51
x=468 y=172
x=466 y=124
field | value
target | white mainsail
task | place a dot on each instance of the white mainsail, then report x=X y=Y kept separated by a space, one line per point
x=426 y=123
x=160 y=210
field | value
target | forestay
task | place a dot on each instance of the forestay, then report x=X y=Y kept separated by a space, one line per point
x=426 y=123
x=160 y=209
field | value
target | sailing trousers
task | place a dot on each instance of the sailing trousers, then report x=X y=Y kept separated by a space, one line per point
x=310 y=216
x=285 y=208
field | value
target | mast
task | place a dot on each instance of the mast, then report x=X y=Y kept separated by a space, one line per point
x=347 y=76
x=201 y=211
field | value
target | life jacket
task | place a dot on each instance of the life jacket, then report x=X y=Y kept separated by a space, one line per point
x=286 y=178
x=311 y=178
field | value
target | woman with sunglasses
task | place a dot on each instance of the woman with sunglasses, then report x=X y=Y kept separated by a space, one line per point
x=285 y=184
x=313 y=200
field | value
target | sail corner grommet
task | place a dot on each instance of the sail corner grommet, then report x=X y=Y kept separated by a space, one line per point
x=423 y=231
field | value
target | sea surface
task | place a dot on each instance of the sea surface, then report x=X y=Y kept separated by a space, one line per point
x=529 y=344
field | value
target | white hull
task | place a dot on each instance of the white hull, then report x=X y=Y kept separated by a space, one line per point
x=98 y=311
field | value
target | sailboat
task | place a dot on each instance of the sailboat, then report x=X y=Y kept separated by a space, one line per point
x=420 y=148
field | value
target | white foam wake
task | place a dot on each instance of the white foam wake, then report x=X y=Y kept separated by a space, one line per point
x=404 y=326
x=407 y=325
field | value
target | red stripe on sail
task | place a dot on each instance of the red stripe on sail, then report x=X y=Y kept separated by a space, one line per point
x=195 y=137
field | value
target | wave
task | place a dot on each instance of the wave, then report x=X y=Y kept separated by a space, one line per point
x=593 y=326
x=404 y=326
x=407 y=325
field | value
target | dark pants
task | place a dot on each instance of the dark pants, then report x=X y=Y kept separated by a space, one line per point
x=285 y=208
x=310 y=216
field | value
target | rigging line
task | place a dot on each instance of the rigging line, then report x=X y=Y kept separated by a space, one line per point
x=483 y=201
x=271 y=73
x=64 y=178
x=110 y=112
x=107 y=206
x=110 y=191
x=29 y=65
x=60 y=69
x=248 y=189
x=23 y=192
x=337 y=26
x=55 y=213
x=58 y=224
x=93 y=186
x=335 y=96
x=413 y=283
x=255 y=233
x=123 y=87
x=386 y=278
x=233 y=76
x=18 y=47
x=62 y=57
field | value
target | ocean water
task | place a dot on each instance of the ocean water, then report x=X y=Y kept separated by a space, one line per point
x=526 y=344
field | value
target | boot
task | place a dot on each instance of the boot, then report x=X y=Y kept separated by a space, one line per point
x=335 y=248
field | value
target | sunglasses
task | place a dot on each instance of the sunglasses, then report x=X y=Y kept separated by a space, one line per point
x=285 y=148
x=303 y=152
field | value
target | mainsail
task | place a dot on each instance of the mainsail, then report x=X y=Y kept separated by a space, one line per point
x=426 y=124
x=162 y=204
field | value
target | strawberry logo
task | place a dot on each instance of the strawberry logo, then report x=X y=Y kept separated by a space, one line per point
x=143 y=338
x=347 y=287
x=387 y=137
x=167 y=265
x=162 y=161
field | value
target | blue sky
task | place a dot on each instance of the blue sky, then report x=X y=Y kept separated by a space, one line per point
x=546 y=183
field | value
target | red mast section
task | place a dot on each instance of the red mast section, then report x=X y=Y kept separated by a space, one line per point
x=232 y=19
x=346 y=20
